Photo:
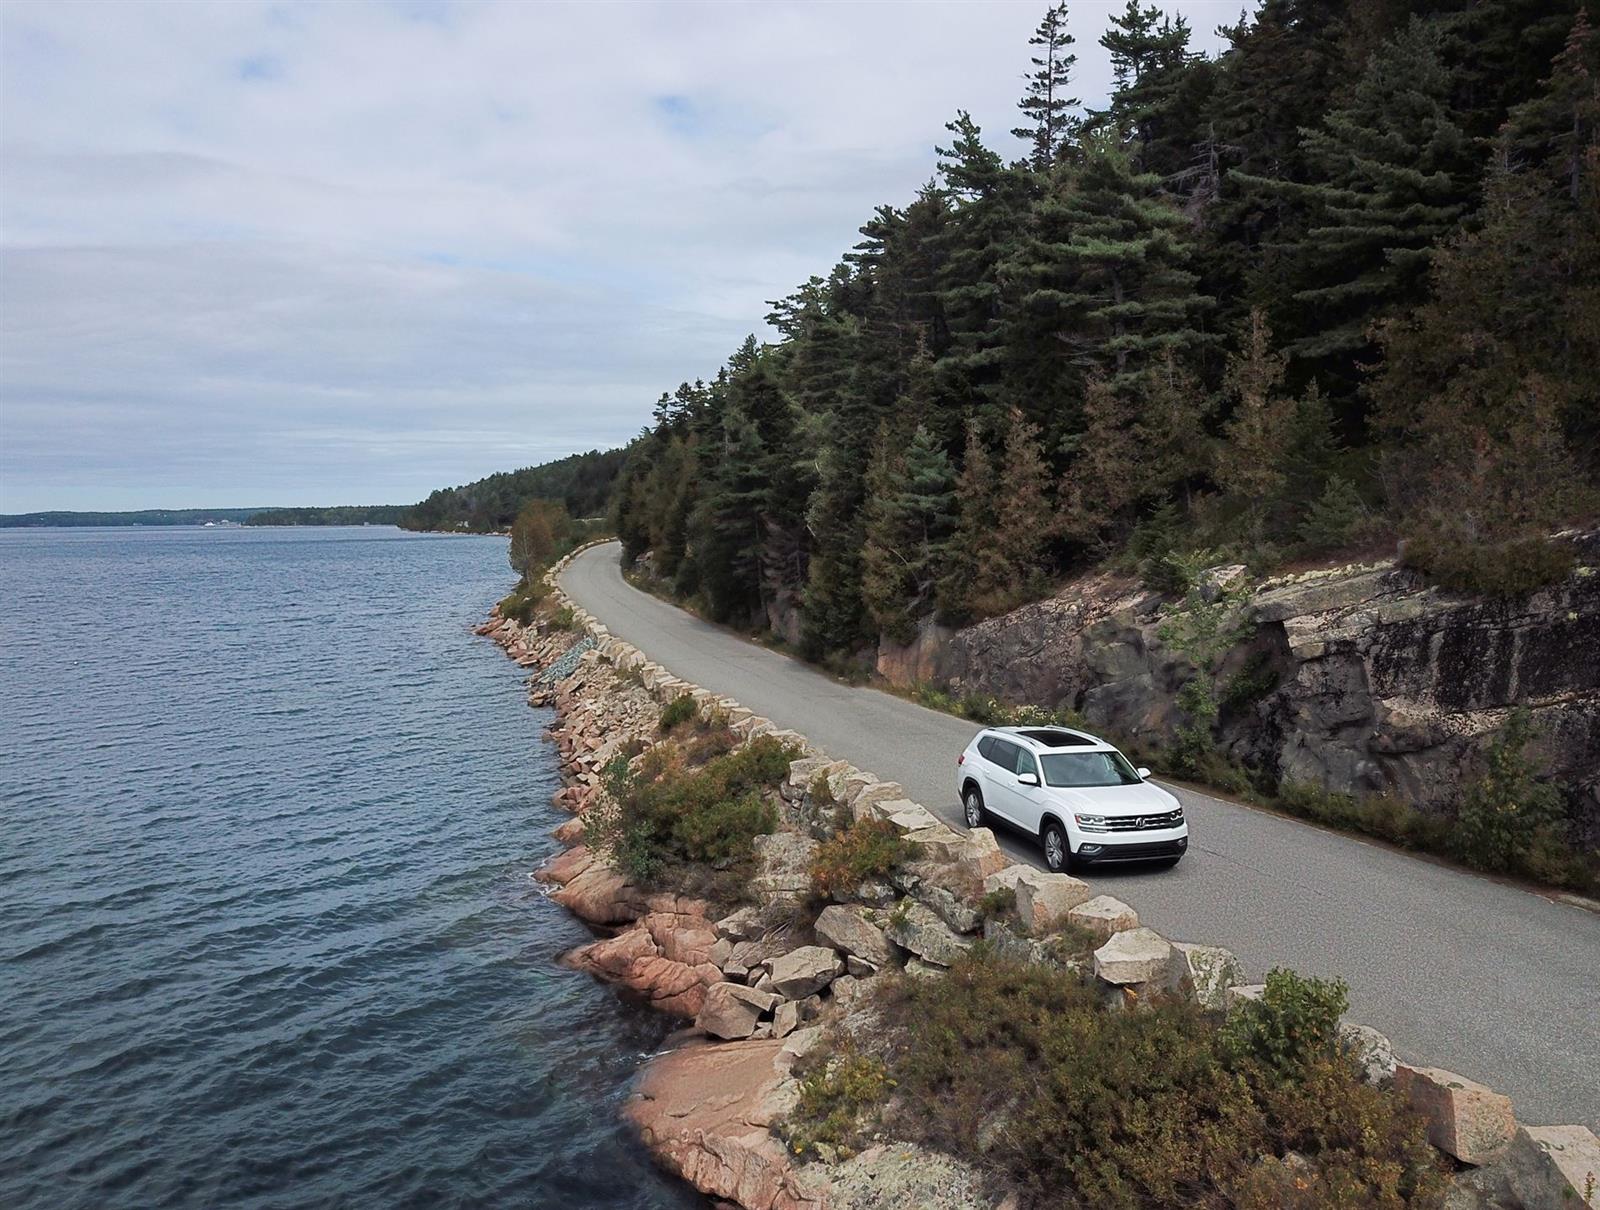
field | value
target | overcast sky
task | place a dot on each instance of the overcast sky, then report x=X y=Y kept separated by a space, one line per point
x=280 y=253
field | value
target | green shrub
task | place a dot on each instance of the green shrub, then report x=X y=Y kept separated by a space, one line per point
x=998 y=904
x=521 y=605
x=1388 y=818
x=820 y=791
x=666 y=815
x=680 y=710
x=1507 y=812
x=1466 y=563
x=563 y=619
x=839 y=1097
x=1294 y=1024
x=867 y=849
x=1130 y=1110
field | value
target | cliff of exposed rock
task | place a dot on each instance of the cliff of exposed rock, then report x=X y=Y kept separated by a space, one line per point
x=1357 y=679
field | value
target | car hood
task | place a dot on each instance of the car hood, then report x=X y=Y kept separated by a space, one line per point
x=1142 y=799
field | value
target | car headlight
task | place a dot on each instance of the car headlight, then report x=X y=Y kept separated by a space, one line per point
x=1091 y=823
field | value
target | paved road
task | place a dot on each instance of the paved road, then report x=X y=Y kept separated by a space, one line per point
x=1461 y=972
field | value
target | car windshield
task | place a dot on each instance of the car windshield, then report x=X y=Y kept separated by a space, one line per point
x=1088 y=769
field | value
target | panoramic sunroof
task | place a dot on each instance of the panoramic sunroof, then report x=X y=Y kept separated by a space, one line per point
x=1058 y=739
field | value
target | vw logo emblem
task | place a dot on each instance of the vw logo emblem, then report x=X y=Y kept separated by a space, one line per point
x=1139 y=823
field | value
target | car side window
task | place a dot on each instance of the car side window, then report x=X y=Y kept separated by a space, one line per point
x=1026 y=763
x=1005 y=755
x=986 y=747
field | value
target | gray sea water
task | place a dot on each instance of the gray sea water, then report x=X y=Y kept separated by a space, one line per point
x=267 y=935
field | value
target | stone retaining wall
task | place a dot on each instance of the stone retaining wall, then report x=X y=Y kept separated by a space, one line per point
x=762 y=983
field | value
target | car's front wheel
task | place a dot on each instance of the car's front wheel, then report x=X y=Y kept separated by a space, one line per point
x=1057 y=852
x=972 y=807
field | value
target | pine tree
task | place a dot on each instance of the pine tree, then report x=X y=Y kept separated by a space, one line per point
x=1104 y=280
x=990 y=207
x=1395 y=172
x=1249 y=463
x=963 y=579
x=910 y=515
x=1150 y=102
x=1047 y=104
x=1014 y=568
x=1140 y=444
x=1488 y=396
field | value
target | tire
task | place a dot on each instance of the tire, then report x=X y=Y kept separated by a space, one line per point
x=972 y=808
x=1057 y=848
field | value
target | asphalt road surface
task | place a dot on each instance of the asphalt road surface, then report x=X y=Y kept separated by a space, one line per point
x=1460 y=971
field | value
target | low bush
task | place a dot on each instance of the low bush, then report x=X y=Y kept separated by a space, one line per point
x=1467 y=563
x=867 y=849
x=521 y=605
x=1294 y=1024
x=563 y=619
x=839 y=1099
x=665 y=814
x=1377 y=815
x=680 y=710
x=1021 y=1071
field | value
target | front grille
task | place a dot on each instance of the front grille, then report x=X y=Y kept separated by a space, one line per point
x=1143 y=823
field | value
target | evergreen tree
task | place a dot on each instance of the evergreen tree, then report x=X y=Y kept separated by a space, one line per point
x=1014 y=567
x=1105 y=281
x=911 y=510
x=1046 y=103
x=1150 y=102
x=968 y=570
x=1395 y=172
x=1249 y=463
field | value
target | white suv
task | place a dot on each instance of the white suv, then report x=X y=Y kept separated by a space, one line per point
x=1073 y=791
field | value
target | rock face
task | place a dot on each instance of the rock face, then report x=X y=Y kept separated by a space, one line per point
x=1359 y=680
x=732 y=1010
x=1207 y=973
x=1464 y=1118
x=704 y=1112
x=1104 y=916
x=917 y=928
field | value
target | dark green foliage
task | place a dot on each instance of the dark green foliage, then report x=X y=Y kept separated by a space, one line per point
x=1333 y=287
x=1082 y=1105
x=521 y=605
x=357 y=514
x=582 y=483
x=1507 y=812
x=680 y=709
x=668 y=814
x=1378 y=815
x=1293 y=1025
x=867 y=849
x=1250 y=684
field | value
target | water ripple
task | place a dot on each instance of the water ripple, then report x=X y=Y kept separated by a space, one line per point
x=266 y=930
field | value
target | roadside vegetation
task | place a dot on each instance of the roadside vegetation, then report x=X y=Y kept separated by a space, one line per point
x=685 y=813
x=1024 y=1072
x=868 y=849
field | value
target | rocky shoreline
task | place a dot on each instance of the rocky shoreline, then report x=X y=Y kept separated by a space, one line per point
x=763 y=984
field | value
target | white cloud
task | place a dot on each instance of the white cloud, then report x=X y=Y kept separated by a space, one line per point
x=314 y=253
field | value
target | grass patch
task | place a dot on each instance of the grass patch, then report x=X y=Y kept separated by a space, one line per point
x=1020 y=1070
x=867 y=849
x=838 y=1101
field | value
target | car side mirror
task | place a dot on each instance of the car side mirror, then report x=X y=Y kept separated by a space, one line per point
x=1142 y=772
x=1028 y=779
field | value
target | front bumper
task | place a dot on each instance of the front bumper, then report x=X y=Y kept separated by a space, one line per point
x=1100 y=848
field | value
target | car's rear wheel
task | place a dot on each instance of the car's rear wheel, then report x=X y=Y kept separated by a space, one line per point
x=1057 y=852
x=972 y=807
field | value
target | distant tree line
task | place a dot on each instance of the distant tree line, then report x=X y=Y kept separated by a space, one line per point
x=344 y=514
x=582 y=483
x=1336 y=286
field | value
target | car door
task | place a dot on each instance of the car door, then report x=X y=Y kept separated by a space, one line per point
x=999 y=776
x=1028 y=802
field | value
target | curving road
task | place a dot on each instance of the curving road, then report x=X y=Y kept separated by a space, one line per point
x=1460 y=971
